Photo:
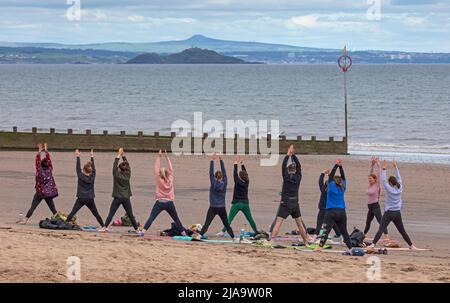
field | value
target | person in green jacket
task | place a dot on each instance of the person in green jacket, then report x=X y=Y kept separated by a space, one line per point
x=121 y=189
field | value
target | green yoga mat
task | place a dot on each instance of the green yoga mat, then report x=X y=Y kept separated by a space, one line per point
x=187 y=238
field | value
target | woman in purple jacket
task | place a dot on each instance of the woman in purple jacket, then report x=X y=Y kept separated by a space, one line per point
x=45 y=183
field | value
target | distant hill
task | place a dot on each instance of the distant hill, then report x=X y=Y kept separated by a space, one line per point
x=193 y=55
x=174 y=46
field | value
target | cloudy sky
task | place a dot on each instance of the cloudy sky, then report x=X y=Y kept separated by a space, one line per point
x=410 y=25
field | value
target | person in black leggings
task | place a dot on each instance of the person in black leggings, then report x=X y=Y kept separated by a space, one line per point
x=217 y=192
x=85 y=189
x=393 y=204
x=335 y=213
x=121 y=189
x=44 y=183
x=323 y=186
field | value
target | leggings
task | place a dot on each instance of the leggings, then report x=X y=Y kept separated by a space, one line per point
x=336 y=216
x=245 y=208
x=374 y=211
x=36 y=200
x=321 y=221
x=169 y=207
x=396 y=217
x=126 y=203
x=89 y=203
x=222 y=213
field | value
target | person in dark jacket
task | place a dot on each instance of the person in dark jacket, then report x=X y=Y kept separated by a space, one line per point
x=291 y=171
x=85 y=188
x=335 y=213
x=217 y=191
x=121 y=189
x=240 y=200
x=323 y=186
x=44 y=183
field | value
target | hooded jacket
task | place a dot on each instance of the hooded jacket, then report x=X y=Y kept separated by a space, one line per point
x=218 y=188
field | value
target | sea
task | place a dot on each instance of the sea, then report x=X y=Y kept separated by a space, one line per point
x=394 y=111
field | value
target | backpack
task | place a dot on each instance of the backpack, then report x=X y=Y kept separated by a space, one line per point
x=357 y=238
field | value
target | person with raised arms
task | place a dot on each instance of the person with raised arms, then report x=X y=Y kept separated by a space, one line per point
x=323 y=187
x=240 y=200
x=217 y=191
x=121 y=189
x=164 y=194
x=44 y=183
x=373 y=196
x=291 y=172
x=392 y=205
x=335 y=212
x=85 y=188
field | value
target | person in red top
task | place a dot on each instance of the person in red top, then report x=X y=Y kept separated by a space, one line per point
x=45 y=183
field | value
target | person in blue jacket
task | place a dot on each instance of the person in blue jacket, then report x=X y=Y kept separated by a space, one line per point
x=335 y=208
x=217 y=192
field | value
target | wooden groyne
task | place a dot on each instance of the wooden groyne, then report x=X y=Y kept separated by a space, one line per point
x=140 y=142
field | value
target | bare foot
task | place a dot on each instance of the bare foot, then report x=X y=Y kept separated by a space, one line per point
x=412 y=247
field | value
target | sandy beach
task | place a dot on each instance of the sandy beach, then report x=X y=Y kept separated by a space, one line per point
x=30 y=254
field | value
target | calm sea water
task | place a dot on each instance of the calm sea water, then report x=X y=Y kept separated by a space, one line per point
x=394 y=110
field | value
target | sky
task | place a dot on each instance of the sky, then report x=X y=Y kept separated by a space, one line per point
x=407 y=25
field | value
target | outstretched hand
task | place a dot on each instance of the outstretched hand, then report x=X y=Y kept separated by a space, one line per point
x=77 y=153
x=326 y=172
x=45 y=147
x=160 y=153
x=92 y=153
x=385 y=164
x=40 y=147
x=165 y=153
x=214 y=156
x=394 y=163
x=338 y=162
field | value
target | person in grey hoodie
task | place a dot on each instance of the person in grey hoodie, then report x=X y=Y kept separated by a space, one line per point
x=217 y=191
x=393 y=204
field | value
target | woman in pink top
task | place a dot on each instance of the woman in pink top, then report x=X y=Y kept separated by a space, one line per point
x=164 y=194
x=373 y=196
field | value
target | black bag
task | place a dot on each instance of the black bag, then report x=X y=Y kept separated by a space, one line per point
x=357 y=238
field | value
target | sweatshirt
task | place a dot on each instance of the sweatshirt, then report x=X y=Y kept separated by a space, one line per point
x=323 y=192
x=85 y=188
x=217 y=189
x=45 y=183
x=335 y=195
x=291 y=182
x=240 y=192
x=164 y=188
x=393 y=199
x=121 y=180
x=374 y=190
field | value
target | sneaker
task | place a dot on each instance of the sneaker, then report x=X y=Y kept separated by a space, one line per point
x=220 y=234
x=103 y=230
x=236 y=240
x=196 y=236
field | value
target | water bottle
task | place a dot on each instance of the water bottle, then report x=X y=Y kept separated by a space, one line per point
x=20 y=218
x=242 y=234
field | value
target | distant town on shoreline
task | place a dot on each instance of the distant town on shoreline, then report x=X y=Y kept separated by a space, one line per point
x=232 y=52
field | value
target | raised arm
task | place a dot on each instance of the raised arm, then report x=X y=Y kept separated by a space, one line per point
x=115 y=170
x=37 y=161
x=157 y=165
x=93 y=167
x=235 y=173
x=298 y=166
x=49 y=159
x=212 y=179
x=78 y=168
x=321 y=180
x=333 y=172
x=397 y=174
x=224 y=171
x=169 y=165
x=341 y=171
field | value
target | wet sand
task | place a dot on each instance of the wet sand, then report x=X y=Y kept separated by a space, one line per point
x=32 y=254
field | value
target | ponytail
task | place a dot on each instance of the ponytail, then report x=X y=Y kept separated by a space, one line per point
x=394 y=182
